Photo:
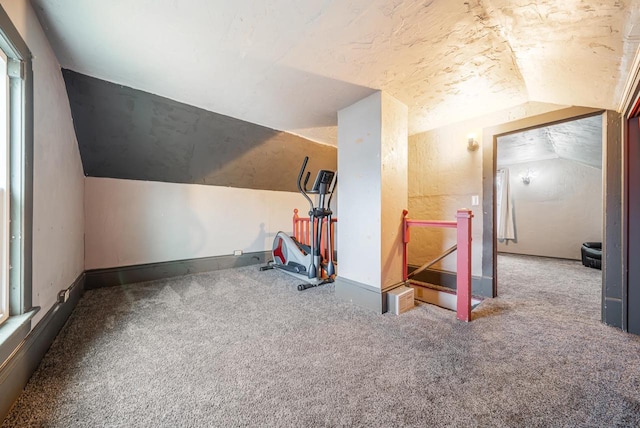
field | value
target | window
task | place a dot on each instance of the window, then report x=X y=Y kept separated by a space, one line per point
x=4 y=193
x=16 y=171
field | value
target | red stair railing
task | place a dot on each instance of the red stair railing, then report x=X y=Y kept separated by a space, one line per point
x=463 y=268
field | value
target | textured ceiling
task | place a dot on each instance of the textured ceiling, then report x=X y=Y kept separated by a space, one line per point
x=290 y=65
x=579 y=141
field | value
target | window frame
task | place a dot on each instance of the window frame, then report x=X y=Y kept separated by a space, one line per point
x=20 y=73
x=4 y=195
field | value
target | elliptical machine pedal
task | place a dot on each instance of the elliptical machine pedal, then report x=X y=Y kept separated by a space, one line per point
x=308 y=285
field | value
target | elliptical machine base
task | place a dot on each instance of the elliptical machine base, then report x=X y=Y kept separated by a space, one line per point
x=308 y=282
x=295 y=262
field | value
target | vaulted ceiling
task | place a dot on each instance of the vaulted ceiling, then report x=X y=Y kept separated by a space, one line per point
x=291 y=65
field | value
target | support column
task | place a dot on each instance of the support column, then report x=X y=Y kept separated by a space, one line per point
x=372 y=170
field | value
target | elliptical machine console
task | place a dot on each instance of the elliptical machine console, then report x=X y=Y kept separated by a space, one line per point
x=306 y=261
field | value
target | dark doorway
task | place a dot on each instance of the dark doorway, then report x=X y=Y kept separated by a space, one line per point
x=633 y=225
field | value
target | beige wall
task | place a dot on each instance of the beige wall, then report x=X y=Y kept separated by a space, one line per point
x=444 y=175
x=557 y=211
x=393 y=198
x=58 y=182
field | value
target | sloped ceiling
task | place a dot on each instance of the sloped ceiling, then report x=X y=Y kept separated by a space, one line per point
x=129 y=134
x=290 y=65
x=579 y=141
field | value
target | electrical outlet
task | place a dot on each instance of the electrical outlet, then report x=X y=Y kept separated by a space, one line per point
x=237 y=253
x=63 y=296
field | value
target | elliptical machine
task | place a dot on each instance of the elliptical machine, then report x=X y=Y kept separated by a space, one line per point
x=306 y=261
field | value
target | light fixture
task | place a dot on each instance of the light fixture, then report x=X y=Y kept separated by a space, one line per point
x=528 y=175
x=472 y=144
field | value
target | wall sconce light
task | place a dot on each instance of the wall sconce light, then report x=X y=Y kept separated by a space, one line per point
x=472 y=144
x=527 y=176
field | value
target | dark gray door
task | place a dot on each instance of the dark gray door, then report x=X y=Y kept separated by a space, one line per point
x=633 y=226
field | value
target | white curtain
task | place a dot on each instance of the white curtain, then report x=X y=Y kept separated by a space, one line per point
x=504 y=211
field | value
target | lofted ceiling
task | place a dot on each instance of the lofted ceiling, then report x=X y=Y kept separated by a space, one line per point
x=578 y=140
x=291 y=65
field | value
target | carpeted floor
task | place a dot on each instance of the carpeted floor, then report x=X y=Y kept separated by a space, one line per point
x=242 y=347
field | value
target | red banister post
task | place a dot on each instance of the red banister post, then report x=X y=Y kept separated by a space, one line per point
x=405 y=241
x=295 y=224
x=463 y=280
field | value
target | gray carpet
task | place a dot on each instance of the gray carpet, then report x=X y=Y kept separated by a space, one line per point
x=244 y=348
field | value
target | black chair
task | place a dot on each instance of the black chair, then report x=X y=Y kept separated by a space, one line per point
x=592 y=254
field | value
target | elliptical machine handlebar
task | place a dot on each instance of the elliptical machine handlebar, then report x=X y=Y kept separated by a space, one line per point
x=303 y=190
x=306 y=181
x=334 y=184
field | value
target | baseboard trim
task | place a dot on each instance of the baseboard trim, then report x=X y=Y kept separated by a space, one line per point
x=480 y=286
x=98 y=278
x=16 y=370
x=361 y=294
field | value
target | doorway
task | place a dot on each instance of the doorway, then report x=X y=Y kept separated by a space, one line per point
x=489 y=167
x=548 y=188
x=553 y=189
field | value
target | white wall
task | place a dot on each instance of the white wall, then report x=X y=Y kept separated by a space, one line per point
x=359 y=166
x=58 y=182
x=130 y=222
x=557 y=211
x=372 y=161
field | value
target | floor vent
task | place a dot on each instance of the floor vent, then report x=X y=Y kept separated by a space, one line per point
x=400 y=300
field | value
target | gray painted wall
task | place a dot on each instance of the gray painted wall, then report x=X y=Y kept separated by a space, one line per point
x=130 y=134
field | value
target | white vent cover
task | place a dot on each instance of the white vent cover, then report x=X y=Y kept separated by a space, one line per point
x=400 y=300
